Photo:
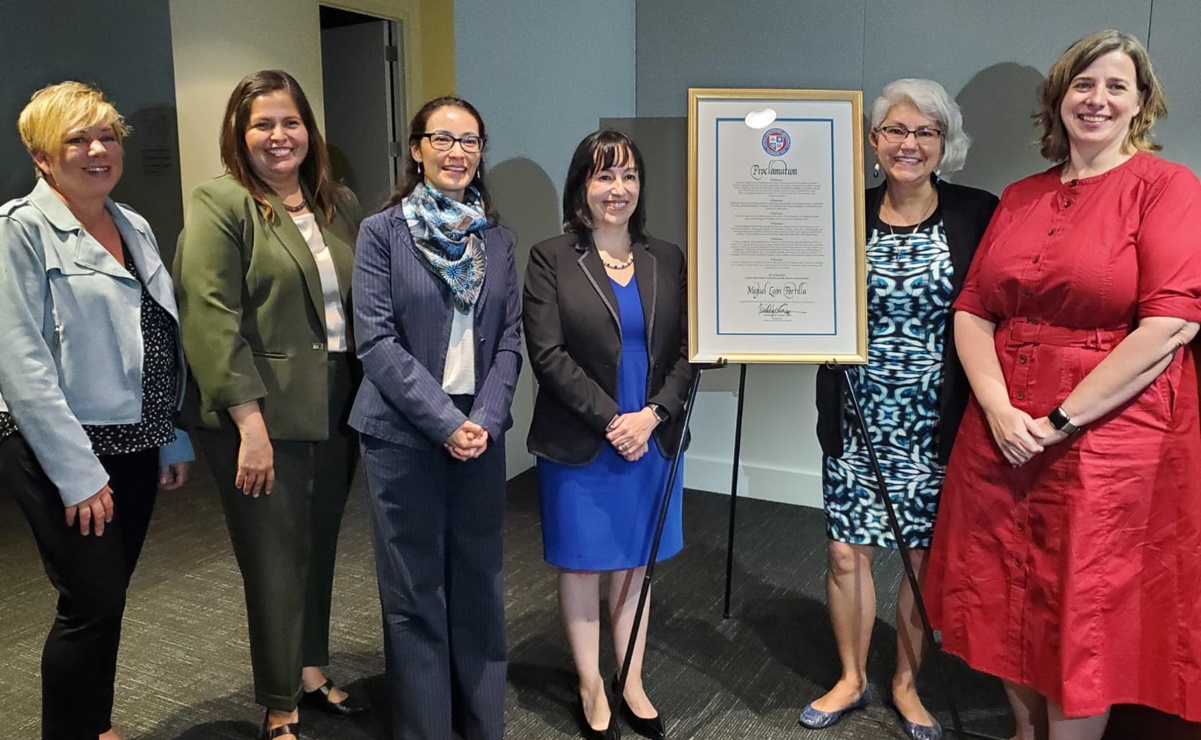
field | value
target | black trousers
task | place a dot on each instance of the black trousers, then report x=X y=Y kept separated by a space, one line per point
x=286 y=543
x=437 y=526
x=91 y=575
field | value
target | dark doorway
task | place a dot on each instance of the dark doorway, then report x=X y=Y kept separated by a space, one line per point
x=363 y=76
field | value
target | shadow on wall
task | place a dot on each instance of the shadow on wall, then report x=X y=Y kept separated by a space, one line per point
x=997 y=106
x=528 y=204
x=151 y=181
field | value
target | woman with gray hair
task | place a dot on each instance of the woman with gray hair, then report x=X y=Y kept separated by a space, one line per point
x=922 y=233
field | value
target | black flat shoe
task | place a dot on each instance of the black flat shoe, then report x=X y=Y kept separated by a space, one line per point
x=591 y=733
x=648 y=727
x=319 y=699
x=292 y=728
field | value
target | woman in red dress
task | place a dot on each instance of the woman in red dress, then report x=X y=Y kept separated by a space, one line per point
x=1067 y=553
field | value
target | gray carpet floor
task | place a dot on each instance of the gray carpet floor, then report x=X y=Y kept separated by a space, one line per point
x=184 y=671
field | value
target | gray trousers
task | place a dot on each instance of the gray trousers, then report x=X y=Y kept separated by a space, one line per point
x=438 y=541
x=285 y=544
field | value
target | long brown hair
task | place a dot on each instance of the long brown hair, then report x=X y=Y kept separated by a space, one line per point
x=315 y=172
x=1153 y=105
x=413 y=176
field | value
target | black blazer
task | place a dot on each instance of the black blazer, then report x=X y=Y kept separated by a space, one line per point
x=573 y=334
x=965 y=216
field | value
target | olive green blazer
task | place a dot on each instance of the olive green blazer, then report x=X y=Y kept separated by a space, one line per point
x=252 y=310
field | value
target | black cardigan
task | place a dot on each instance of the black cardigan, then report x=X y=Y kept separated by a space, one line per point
x=965 y=216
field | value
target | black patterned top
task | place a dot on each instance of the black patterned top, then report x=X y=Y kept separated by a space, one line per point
x=159 y=391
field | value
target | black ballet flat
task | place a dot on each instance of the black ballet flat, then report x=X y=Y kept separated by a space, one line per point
x=318 y=698
x=291 y=728
x=591 y=733
x=648 y=727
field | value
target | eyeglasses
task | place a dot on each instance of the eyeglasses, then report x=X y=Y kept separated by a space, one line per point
x=444 y=142
x=897 y=134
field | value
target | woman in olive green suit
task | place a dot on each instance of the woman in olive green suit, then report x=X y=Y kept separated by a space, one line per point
x=263 y=274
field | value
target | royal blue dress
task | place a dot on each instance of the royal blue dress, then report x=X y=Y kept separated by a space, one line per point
x=602 y=515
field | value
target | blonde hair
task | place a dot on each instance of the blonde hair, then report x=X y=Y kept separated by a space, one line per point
x=58 y=109
x=1153 y=104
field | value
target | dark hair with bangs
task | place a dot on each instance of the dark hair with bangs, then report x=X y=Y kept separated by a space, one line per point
x=599 y=151
x=315 y=171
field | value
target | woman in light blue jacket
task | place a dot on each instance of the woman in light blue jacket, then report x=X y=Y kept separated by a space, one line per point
x=91 y=378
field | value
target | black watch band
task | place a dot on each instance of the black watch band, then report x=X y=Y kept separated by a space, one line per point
x=1061 y=421
x=660 y=413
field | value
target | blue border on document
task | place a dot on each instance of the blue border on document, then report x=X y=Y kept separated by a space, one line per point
x=717 y=229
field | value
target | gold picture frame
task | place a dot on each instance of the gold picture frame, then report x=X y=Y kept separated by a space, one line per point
x=776 y=234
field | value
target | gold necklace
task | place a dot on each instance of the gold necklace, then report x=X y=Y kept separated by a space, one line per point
x=904 y=240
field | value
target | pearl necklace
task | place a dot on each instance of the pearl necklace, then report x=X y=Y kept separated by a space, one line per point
x=629 y=261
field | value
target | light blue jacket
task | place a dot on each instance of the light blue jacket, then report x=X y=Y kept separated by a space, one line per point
x=70 y=334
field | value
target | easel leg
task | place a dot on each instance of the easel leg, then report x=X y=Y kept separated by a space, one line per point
x=725 y=612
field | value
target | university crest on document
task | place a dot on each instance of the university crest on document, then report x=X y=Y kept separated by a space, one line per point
x=776 y=141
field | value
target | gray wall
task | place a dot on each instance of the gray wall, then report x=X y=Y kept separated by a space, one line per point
x=542 y=73
x=991 y=58
x=125 y=50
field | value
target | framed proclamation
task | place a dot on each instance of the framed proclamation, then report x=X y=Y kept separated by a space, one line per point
x=776 y=256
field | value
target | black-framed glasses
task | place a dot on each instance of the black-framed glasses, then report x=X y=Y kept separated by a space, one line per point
x=897 y=134
x=443 y=141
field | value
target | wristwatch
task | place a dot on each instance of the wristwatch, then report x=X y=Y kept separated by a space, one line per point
x=659 y=412
x=1061 y=421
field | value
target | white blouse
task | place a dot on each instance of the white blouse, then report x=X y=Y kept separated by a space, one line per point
x=335 y=314
x=458 y=377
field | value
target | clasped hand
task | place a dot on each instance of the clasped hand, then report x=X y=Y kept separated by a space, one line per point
x=1020 y=436
x=467 y=442
x=630 y=433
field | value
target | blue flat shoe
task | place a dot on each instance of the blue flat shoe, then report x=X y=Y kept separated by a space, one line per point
x=815 y=719
x=916 y=731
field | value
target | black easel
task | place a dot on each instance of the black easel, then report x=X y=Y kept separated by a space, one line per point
x=894 y=525
x=725 y=610
x=650 y=564
x=902 y=548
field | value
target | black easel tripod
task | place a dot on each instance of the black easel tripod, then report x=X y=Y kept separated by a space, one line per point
x=650 y=565
x=902 y=548
x=894 y=525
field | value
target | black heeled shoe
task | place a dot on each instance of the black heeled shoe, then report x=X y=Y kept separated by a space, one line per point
x=649 y=727
x=591 y=733
x=318 y=698
x=291 y=728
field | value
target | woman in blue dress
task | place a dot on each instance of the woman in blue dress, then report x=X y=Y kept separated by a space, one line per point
x=922 y=233
x=606 y=328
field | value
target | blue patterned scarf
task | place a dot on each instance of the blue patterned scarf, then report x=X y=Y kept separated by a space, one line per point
x=444 y=231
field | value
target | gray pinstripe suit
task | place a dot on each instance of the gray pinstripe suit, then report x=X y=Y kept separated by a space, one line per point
x=437 y=521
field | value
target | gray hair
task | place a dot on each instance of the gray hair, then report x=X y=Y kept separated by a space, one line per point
x=932 y=100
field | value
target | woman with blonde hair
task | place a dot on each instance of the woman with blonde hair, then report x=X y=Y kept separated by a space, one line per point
x=91 y=377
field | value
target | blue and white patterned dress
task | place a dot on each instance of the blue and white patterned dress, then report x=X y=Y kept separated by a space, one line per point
x=909 y=300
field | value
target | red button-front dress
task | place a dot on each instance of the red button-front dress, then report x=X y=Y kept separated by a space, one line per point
x=1079 y=573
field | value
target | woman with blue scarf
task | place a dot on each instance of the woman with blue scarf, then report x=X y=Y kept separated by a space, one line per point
x=437 y=324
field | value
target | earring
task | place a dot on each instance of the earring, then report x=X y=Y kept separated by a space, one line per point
x=876 y=171
x=419 y=171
